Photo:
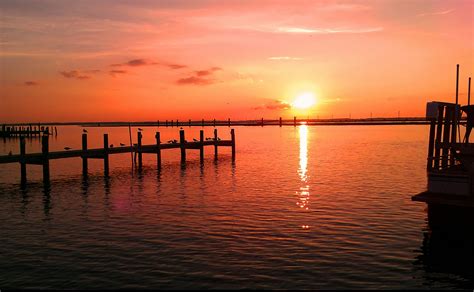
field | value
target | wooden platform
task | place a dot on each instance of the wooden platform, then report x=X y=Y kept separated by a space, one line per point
x=136 y=150
x=444 y=199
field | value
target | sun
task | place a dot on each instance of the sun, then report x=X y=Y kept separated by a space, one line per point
x=304 y=101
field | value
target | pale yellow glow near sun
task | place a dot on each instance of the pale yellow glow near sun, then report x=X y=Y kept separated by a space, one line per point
x=304 y=101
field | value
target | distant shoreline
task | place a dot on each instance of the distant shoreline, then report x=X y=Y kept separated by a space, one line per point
x=268 y=122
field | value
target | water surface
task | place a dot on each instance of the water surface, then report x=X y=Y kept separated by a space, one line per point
x=306 y=207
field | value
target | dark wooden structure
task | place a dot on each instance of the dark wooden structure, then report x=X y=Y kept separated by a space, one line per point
x=85 y=153
x=450 y=161
x=26 y=131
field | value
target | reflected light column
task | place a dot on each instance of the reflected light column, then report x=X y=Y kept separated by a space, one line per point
x=303 y=192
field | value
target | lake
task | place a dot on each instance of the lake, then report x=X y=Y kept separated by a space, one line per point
x=307 y=207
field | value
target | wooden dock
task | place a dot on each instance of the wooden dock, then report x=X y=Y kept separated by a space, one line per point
x=138 y=149
x=450 y=161
x=26 y=131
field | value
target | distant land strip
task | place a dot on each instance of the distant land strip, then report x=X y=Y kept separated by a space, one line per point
x=260 y=122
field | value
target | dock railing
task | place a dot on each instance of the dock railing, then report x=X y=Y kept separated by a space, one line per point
x=138 y=149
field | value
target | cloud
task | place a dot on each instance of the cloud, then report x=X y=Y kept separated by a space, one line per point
x=135 y=63
x=301 y=30
x=145 y=62
x=93 y=71
x=74 y=74
x=207 y=72
x=285 y=58
x=436 y=13
x=274 y=105
x=116 y=72
x=175 y=66
x=30 y=83
x=197 y=78
x=193 y=80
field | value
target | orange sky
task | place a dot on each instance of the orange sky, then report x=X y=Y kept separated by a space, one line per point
x=148 y=60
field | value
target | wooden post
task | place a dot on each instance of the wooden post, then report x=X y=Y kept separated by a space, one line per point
x=294 y=121
x=45 y=158
x=214 y=123
x=190 y=123
x=23 y=160
x=438 y=136
x=202 y=123
x=446 y=131
x=262 y=122
x=84 y=158
x=139 y=150
x=431 y=144
x=158 y=150
x=469 y=92
x=201 y=146
x=106 y=154
x=158 y=123
x=177 y=123
x=182 y=145
x=232 y=135
x=455 y=114
x=228 y=122
x=280 y=122
x=215 y=144
x=166 y=123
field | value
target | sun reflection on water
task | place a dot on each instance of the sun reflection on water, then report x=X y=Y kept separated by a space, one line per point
x=303 y=192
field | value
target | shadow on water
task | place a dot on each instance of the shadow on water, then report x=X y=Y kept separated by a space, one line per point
x=447 y=247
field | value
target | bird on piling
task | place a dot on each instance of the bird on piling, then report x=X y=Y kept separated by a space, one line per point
x=84 y=131
x=140 y=129
x=67 y=148
x=195 y=140
x=121 y=144
x=218 y=139
x=111 y=146
x=10 y=153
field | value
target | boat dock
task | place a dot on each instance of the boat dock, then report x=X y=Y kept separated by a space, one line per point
x=26 y=131
x=450 y=161
x=138 y=149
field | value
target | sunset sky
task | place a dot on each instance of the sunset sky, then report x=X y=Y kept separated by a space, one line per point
x=133 y=60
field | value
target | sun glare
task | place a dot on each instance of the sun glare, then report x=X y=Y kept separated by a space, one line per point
x=304 y=101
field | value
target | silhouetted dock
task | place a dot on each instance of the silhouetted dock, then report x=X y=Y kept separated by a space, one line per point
x=138 y=149
x=26 y=131
x=450 y=163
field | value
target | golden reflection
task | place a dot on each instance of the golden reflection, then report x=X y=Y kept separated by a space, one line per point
x=303 y=193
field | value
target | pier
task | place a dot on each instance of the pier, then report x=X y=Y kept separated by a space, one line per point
x=26 y=131
x=450 y=161
x=138 y=149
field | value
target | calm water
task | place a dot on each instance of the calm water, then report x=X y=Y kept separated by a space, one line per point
x=305 y=207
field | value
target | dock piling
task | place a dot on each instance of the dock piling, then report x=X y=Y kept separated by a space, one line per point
x=106 y=154
x=232 y=135
x=45 y=158
x=280 y=122
x=294 y=121
x=158 y=150
x=139 y=150
x=215 y=144
x=439 y=130
x=201 y=148
x=182 y=144
x=22 y=160
x=84 y=157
